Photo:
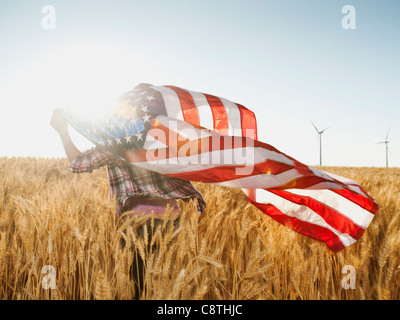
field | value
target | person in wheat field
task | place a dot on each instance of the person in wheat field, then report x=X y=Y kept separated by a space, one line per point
x=138 y=191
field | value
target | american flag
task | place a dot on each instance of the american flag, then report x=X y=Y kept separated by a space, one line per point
x=200 y=137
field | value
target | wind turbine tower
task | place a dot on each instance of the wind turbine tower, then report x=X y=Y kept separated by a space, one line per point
x=320 y=141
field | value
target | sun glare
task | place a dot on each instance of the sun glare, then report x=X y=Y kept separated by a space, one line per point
x=88 y=78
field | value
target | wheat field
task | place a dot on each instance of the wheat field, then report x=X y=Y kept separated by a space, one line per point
x=52 y=217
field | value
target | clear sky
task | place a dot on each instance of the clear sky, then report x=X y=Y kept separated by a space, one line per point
x=288 y=61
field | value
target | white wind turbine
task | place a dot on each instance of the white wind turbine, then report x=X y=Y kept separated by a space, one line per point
x=387 y=147
x=320 y=141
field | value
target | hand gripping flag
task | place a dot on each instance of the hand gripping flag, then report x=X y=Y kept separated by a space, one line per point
x=201 y=137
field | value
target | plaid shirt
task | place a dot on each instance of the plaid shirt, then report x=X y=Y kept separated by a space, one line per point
x=128 y=180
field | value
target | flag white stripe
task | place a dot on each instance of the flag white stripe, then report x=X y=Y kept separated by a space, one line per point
x=300 y=212
x=233 y=114
x=346 y=207
x=339 y=178
x=324 y=185
x=263 y=181
x=353 y=186
x=334 y=185
x=171 y=101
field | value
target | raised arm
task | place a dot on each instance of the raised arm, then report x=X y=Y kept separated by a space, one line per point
x=61 y=126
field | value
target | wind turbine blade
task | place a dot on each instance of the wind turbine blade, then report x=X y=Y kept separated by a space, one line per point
x=325 y=129
x=314 y=126
x=387 y=134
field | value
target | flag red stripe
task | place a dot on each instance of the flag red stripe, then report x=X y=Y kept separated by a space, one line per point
x=189 y=109
x=302 y=227
x=221 y=124
x=334 y=218
x=248 y=121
